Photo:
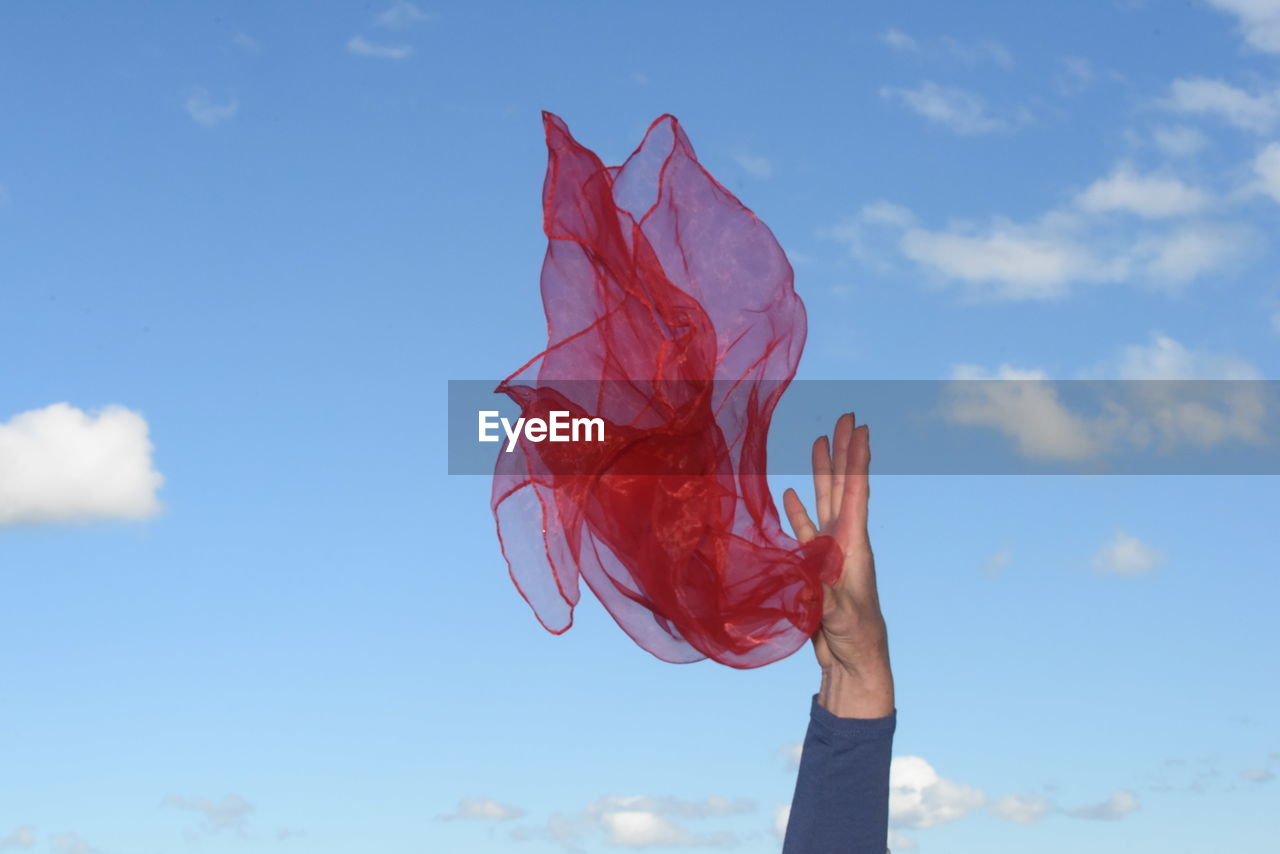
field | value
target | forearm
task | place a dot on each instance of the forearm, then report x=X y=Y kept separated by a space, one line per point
x=841 y=802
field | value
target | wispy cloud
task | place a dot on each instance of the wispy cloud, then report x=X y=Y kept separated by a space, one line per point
x=1024 y=406
x=791 y=754
x=228 y=814
x=1019 y=809
x=755 y=165
x=1266 y=168
x=1179 y=140
x=1113 y=808
x=70 y=843
x=972 y=52
x=1259 y=21
x=1125 y=554
x=898 y=40
x=978 y=51
x=482 y=809
x=781 y=816
x=1256 y=112
x=645 y=829
x=400 y=16
x=21 y=837
x=204 y=110
x=246 y=43
x=1075 y=75
x=958 y=110
x=1008 y=261
x=63 y=464
x=995 y=564
x=1020 y=405
x=1077 y=243
x=360 y=46
x=1163 y=358
x=639 y=821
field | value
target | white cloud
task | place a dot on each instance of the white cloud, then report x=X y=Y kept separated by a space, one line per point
x=792 y=753
x=229 y=813
x=1259 y=21
x=1065 y=248
x=898 y=842
x=1113 y=808
x=1007 y=261
x=1020 y=809
x=62 y=464
x=360 y=46
x=959 y=110
x=1202 y=96
x=754 y=164
x=22 y=837
x=483 y=809
x=919 y=797
x=1266 y=166
x=1124 y=554
x=1193 y=414
x=781 y=815
x=1151 y=196
x=1022 y=406
x=400 y=16
x=639 y=821
x=640 y=829
x=1257 y=775
x=203 y=110
x=70 y=843
x=1163 y=358
x=1190 y=252
x=1179 y=140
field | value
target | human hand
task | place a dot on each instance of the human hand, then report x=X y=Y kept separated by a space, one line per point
x=852 y=644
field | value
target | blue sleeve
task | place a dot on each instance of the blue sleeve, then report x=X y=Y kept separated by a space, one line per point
x=841 y=803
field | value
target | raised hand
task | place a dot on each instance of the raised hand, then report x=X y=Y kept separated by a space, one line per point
x=852 y=645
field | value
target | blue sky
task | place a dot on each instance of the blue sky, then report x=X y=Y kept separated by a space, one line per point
x=243 y=248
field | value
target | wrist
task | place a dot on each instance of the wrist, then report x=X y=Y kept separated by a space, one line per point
x=862 y=693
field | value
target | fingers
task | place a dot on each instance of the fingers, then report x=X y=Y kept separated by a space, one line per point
x=855 y=490
x=822 y=485
x=840 y=461
x=803 y=526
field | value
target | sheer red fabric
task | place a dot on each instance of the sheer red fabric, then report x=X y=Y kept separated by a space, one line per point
x=671 y=315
